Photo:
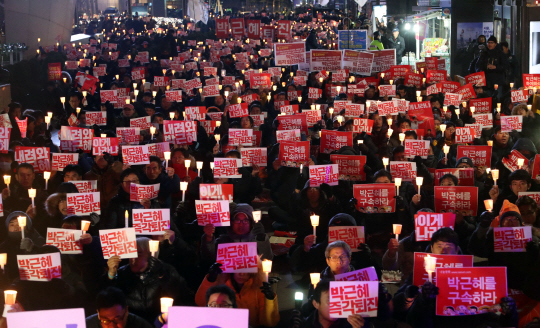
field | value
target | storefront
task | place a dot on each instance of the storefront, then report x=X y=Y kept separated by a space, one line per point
x=432 y=35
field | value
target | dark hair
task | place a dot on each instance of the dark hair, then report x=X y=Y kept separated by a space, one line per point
x=73 y=219
x=110 y=297
x=519 y=175
x=74 y=168
x=404 y=121
x=526 y=200
x=322 y=286
x=449 y=176
x=25 y=166
x=504 y=44
x=411 y=133
x=382 y=173
x=434 y=99
x=233 y=152
x=155 y=159
x=76 y=94
x=183 y=151
x=127 y=172
x=13 y=106
x=149 y=105
x=447 y=235
x=222 y=289
x=398 y=149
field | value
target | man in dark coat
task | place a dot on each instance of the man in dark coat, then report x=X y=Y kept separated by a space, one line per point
x=494 y=63
x=396 y=42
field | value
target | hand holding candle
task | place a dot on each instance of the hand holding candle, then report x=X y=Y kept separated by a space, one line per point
x=385 y=162
x=10 y=296
x=267 y=268
x=520 y=163
x=488 y=203
x=397 y=230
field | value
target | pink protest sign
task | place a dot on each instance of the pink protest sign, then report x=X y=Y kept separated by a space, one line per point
x=152 y=221
x=66 y=240
x=238 y=257
x=135 y=155
x=353 y=297
x=138 y=192
x=215 y=212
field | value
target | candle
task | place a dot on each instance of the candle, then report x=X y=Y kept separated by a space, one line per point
x=496 y=86
x=171 y=115
x=48 y=121
x=167 y=155
x=315 y=223
x=360 y=142
x=85 y=225
x=488 y=203
x=464 y=104
x=32 y=194
x=267 y=268
x=46 y=176
x=331 y=110
x=7 y=180
x=419 y=181
x=152 y=132
x=389 y=133
x=495 y=175
x=199 y=167
x=126 y=215
x=472 y=109
x=520 y=162
x=443 y=127
x=22 y=224
x=299 y=99
x=446 y=150
x=9 y=297
x=401 y=137
x=257 y=216
x=397 y=230
x=63 y=100
x=457 y=111
x=391 y=82
x=430 y=264
x=385 y=162
x=490 y=143
x=212 y=165
x=78 y=110
x=154 y=247
x=418 y=93
x=511 y=85
x=315 y=278
x=382 y=75
x=183 y=187
x=166 y=303
x=3 y=260
x=187 y=163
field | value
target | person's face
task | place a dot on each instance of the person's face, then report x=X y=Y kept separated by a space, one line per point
x=140 y=263
x=165 y=103
x=510 y=221
x=220 y=300
x=377 y=121
x=447 y=182
x=505 y=49
x=101 y=162
x=522 y=112
x=147 y=99
x=256 y=111
x=395 y=34
x=502 y=137
x=370 y=93
x=482 y=40
x=383 y=179
x=158 y=120
x=324 y=307
x=31 y=126
x=153 y=170
x=241 y=278
x=400 y=156
x=404 y=125
x=437 y=125
x=245 y=123
x=281 y=98
x=128 y=112
x=17 y=113
x=338 y=260
x=528 y=214
x=149 y=111
x=448 y=132
x=62 y=207
x=240 y=224
x=436 y=104
x=114 y=317
x=26 y=177
x=127 y=81
x=349 y=127
x=74 y=102
x=178 y=158
x=128 y=180
x=313 y=194
x=518 y=186
x=402 y=92
x=72 y=176
x=442 y=247
x=14 y=225
x=491 y=45
x=219 y=100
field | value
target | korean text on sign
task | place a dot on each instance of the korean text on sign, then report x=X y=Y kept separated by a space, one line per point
x=39 y=267
x=425 y=224
x=37 y=156
x=257 y=156
x=180 y=132
x=353 y=297
x=215 y=212
x=120 y=242
x=238 y=257
x=512 y=239
x=66 y=240
x=416 y=148
x=453 y=199
x=420 y=275
x=319 y=174
x=375 y=198
x=216 y=192
x=139 y=192
x=83 y=203
x=151 y=221
x=353 y=236
x=227 y=167
x=367 y=274
x=135 y=155
x=61 y=160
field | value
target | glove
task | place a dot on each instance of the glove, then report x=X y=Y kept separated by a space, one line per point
x=486 y=218
x=266 y=288
x=296 y=319
x=429 y=290
x=27 y=244
x=214 y=271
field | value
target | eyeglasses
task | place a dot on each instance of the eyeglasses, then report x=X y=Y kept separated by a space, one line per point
x=116 y=321
x=220 y=305
x=131 y=181
x=341 y=258
x=241 y=222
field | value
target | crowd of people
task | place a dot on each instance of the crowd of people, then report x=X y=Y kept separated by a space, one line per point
x=127 y=292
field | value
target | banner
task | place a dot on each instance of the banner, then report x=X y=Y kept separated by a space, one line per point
x=238 y=257
x=253 y=29
x=319 y=174
x=237 y=28
x=353 y=297
x=151 y=221
x=420 y=275
x=55 y=71
x=284 y=29
x=383 y=59
x=287 y=54
x=327 y=60
x=118 y=242
x=375 y=198
x=426 y=224
x=452 y=199
x=358 y=62
x=180 y=132
x=222 y=28
x=531 y=81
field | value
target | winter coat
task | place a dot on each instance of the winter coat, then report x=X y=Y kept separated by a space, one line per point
x=107 y=179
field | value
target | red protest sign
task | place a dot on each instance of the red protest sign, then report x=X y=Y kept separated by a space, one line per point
x=334 y=140
x=354 y=110
x=353 y=236
x=293 y=122
x=453 y=99
x=118 y=242
x=425 y=224
x=421 y=114
x=319 y=174
x=431 y=63
x=387 y=107
x=420 y=275
x=404 y=170
x=465 y=176
x=453 y=199
x=435 y=76
x=83 y=203
x=135 y=155
x=39 y=267
x=362 y=125
x=511 y=162
x=211 y=90
x=367 y=274
x=536 y=167
x=215 y=212
x=5 y=132
x=531 y=81
x=470 y=291
x=284 y=29
x=294 y=154
x=238 y=110
x=512 y=239
x=481 y=106
x=387 y=90
x=237 y=28
x=253 y=29
x=251 y=156
x=128 y=136
x=512 y=122
x=151 y=221
x=465 y=135
x=353 y=297
x=413 y=79
x=227 y=167
x=350 y=167
x=480 y=155
x=399 y=71
x=210 y=71
x=142 y=123
x=195 y=113
x=287 y=54
x=478 y=79
x=105 y=145
x=180 y=132
x=325 y=60
x=38 y=157
x=222 y=28
x=108 y=95
x=55 y=71
x=415 y=148
x=61 y=160
x=375 y=198
x=66 y=240
x=138 y=192
x=314 y=93
x=466 y=92
x=23 y=126
x=261 y=80
x=216 y=192
x=238 y=257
